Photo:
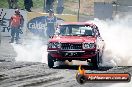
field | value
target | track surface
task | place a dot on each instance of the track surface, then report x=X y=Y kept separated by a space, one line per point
x=36 y=74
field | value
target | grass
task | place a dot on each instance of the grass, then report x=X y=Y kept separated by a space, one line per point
x=36 y=3
x=39 y=4
x=3 y=4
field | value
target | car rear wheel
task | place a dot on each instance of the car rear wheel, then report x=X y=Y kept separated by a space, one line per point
x=50 y=61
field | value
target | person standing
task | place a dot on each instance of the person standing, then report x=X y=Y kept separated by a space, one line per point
x=51 y=22
x=16 y=21
x=9 y=3
x=60 y=6
x=28 y=5
x=49 y=5
x=12 y=4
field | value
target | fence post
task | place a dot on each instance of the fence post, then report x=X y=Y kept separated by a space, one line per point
x=44 y=6
x=78 y=15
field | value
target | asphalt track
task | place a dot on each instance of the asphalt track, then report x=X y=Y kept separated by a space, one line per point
x=36 y=74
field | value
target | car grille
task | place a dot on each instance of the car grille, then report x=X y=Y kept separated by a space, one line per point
x=71 y=46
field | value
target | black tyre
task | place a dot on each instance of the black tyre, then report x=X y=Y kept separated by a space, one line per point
x=81 y=79
x=50 y=61
x=95 y=61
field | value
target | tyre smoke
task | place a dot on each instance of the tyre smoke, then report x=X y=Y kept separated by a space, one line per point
x=33 y=50
x=121 y=85
x=117 y=35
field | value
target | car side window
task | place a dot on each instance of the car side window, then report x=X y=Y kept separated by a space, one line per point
x=96 y=31
x=62 y=30
x=88 y=32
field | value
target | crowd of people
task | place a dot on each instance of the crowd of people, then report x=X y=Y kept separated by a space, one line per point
x=17 y=21
x=13 y=4
x=28 y=4
x=50 y=4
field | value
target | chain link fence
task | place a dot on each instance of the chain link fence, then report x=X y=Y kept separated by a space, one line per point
x=39 y=5
x=85 y=12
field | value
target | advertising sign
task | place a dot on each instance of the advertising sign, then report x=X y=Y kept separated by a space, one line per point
x=38 y=25
x=5 y=15
x=37 y=22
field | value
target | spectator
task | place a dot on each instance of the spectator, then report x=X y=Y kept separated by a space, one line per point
x=9 y=3
x=28 y=4
x=60 y=6
x=16 y=21
x=49 y=5
x=12 y=4
x=51 y=23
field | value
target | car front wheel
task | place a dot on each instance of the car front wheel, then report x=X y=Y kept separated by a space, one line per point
x=50 y=61
x=95 y=61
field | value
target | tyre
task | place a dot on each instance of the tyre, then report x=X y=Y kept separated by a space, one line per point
x=81 y=79
x=95 y=61
x=50 y=61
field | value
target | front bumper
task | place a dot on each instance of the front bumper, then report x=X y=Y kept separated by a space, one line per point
x=72 y=54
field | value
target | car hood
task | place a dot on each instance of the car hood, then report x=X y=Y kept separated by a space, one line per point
x=72 y=39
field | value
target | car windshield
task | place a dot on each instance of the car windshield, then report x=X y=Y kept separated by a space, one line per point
x=75 y=30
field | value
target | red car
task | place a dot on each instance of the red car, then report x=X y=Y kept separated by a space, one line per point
x=76 y=41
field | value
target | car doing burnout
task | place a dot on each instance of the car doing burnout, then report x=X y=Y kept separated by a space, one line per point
x=76 y=41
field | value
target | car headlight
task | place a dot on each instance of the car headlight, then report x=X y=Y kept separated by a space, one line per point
x=89 y=45
x=54 y=45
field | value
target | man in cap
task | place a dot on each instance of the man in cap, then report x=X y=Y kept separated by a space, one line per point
x=51 y=23
x=16 y=21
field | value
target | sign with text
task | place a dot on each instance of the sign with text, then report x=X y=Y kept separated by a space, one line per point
x=83 y=77
x=37 y=22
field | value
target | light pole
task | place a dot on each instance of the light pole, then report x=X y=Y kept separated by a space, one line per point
x=78 y=15
x=44 y=6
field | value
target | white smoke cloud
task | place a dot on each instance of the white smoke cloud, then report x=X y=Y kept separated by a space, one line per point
x=34 y=50
x=117 y=34
x=122 y=85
